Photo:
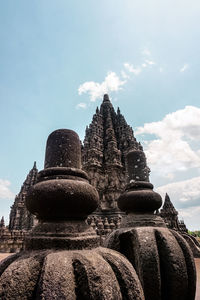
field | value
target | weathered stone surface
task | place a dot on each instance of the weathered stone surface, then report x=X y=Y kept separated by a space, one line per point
x=96 y=274
x=20 y=278
x=137 y=167
x=139 y=197
x=193 y=243
x=163 y=263
x=129 y=285
x=189 y=264
x=41 y=199
x=63 y=149
x=69 y=235
x=66 y=262
x=162 y=259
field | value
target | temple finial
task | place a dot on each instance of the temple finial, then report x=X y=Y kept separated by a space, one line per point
x=2 y=222
x=167 y=197
x=106 y=98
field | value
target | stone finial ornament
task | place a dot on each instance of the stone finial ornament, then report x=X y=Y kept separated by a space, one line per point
x=137 y=166
x=62 y=257
x=161 y=258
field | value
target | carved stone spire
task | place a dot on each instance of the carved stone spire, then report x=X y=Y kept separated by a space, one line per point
x=67 y=262
x=170 y=214
x=30 y=179
x=107 y=141
x=2 y=223
x=112 y=155
x=20 y=218
x=106 y=98
x=162 y=258
x=168 y=207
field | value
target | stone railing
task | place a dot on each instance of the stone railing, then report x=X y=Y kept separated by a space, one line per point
x=104 y=226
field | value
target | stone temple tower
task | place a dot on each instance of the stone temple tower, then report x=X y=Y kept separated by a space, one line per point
x=20 y=218
x=107 y=141
x=170 y=214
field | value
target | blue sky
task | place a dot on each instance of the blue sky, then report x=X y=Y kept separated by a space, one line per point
x=57 y=58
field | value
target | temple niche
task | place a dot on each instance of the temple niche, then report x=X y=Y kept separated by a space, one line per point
x=107 y=141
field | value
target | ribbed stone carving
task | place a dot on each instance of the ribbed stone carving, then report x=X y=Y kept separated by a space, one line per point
x=161 y=258
x=63 y=259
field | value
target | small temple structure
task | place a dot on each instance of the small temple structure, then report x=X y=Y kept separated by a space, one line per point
x=170 y=216
x=20 y=218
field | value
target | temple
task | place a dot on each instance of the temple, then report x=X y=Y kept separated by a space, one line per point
x=170 y=216
x=108 y=140
x=20 y=218
x=21 y=221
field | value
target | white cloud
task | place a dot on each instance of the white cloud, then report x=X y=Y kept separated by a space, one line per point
x=131 y=69
x=191 y=217
x=170 y=176
x=184 y=68
x=111 y=83
x=5 y=192
x=190 y=212
x=146 y=52
x=171 y=148
x=124 y=75
x=81 y=105
x=185 y=195
x=150 y=62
